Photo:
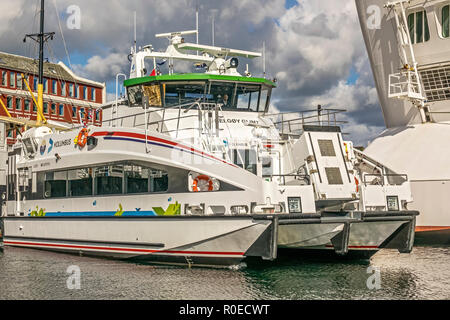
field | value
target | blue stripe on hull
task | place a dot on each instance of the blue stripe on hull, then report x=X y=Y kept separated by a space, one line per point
x=100 y=214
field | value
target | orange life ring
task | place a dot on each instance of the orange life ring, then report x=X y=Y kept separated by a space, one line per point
x=204 y=178
x=82 y=137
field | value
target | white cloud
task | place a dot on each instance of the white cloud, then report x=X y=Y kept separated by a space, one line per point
x=311 y=48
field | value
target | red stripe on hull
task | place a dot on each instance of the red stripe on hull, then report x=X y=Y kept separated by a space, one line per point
x=121 y=249
x=150 y=138
x=431 y=228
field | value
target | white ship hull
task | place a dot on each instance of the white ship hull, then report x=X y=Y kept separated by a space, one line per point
x=197 y=241
x=366 y=235
x=413 y=144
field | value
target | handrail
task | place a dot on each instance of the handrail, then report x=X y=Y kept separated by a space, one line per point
x=320 y=117
x=381 y=181
x=303 y=177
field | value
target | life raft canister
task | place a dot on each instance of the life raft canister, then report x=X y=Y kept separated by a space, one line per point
x=205 y=178
x=82 y=137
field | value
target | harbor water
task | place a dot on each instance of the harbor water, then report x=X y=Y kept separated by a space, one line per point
x=34 y=274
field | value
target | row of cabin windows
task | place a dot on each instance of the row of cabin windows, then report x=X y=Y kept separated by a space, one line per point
x=104 y=180
x=67 y=89
x=55 y=109
x=418 y=25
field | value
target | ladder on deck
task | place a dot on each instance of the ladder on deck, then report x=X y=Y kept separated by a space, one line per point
x=407 y=83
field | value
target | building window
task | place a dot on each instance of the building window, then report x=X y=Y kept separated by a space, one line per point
x=4 y=78
x=19 y=81
x=74 y=112
x=45 y=109
x=418 y=27
x=71 y=89
x=61 y=110
x=446 y=21
x=45 y=85
x=92 y=94
x=63 y=89
x=97 y=115
x=82 y=115
x=34 y=108
x=26 y=106
x=19 y=104
x=53 y=109
x=54 y=87
x=35 y=83
x=77 y=91
x=12 y=79
x=9 y=103
x=85 y=93
x=55 y=184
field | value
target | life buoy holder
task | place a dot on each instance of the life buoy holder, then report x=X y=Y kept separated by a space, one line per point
x=82 y=137
x=204 y=178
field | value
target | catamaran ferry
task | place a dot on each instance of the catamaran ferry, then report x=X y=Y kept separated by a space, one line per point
x=193 y=169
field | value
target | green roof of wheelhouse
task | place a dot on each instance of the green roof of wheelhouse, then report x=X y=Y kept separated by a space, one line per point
x=196 y=76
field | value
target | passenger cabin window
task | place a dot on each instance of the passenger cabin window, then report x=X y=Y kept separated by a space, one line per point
x=108 y=180
x=118 y=178
x=446 y=21
x=80 y=182
x=136 y=179
x=55 y=184
x=418 y=27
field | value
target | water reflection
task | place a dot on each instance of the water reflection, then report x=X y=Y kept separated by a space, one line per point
x=33 y=274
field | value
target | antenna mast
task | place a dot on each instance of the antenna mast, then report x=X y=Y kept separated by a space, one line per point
x=196 y=21
x=40 y=38
x=135 y=48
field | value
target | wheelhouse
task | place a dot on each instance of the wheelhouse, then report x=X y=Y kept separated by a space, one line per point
x=231 y=92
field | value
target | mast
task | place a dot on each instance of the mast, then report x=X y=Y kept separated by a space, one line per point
x=41 y=66
x=40 y=38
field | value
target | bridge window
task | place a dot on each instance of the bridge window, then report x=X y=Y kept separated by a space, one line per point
x=182 y=93
x=418 y=27
x=446 y=21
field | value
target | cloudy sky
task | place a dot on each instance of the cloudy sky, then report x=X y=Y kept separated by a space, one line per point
x=313 y=47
